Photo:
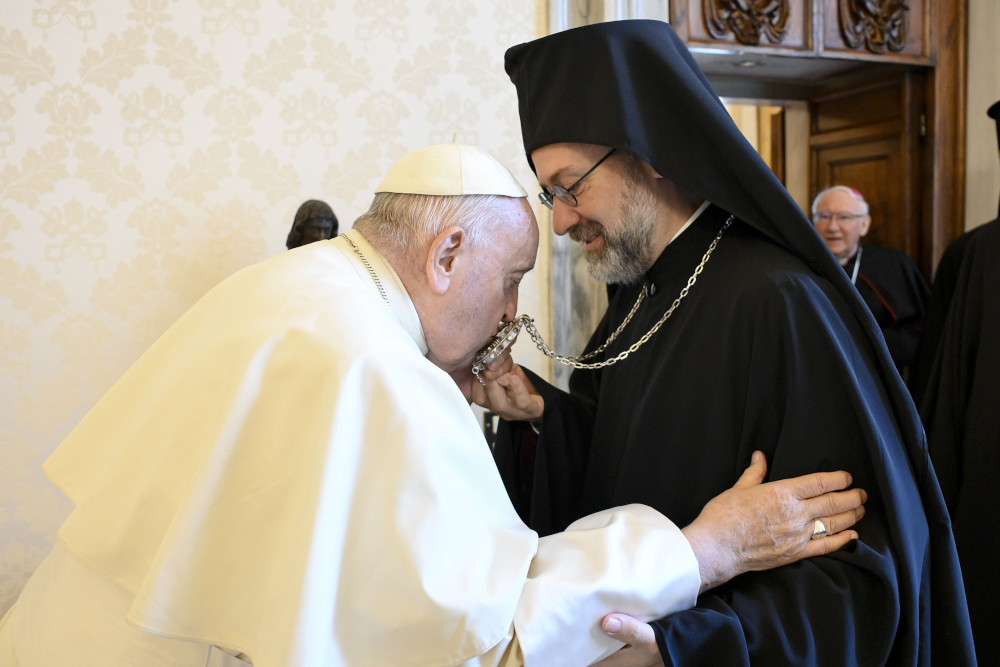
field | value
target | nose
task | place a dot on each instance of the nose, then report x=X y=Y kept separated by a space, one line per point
x=564 y=217
x=510 y=306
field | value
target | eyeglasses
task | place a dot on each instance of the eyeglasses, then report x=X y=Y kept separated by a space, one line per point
x=566 y=195
x=839 y=218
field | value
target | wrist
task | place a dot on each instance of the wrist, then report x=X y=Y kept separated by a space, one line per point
x=714 y=560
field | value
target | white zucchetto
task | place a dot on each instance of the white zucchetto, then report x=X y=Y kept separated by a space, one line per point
x=451 y=169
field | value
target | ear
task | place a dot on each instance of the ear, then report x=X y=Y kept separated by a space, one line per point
x=866 y=225
x=444 y=257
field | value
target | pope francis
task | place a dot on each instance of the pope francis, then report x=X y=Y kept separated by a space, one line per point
x=291 y=475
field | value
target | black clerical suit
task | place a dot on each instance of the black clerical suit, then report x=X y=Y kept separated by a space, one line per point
x=896 y=292
x=772 y=349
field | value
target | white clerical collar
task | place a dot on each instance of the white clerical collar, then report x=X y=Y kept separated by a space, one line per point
x=396 y=294
x=690 y=221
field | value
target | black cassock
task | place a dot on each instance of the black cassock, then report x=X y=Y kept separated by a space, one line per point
x=941 y=294
x=961 y=411
x=896 y=292
x=773 y=349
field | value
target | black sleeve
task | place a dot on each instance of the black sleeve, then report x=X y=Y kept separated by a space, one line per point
x=544 y=472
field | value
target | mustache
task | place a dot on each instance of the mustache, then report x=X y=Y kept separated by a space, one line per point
x=586 y=231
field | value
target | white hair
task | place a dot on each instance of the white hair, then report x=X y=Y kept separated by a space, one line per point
x=396 y=223
x=858 y=197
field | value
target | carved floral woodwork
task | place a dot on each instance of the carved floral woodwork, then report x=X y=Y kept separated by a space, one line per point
x=748 y=20
x=878 y=24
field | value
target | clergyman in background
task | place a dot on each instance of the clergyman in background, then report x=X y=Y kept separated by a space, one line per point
x=888 y=280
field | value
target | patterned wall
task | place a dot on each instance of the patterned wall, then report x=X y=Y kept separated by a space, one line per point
x=149 y=148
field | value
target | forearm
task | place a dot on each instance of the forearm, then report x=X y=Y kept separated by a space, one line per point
x=631 y=560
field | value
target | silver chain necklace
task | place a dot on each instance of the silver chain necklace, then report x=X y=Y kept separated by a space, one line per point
x=371 y=271
x=507 y=335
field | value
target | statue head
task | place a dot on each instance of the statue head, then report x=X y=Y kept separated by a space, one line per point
x=314 y=221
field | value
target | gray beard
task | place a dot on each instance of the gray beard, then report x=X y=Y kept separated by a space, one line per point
x=627 y=252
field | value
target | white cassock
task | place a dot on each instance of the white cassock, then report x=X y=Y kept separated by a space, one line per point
x=285 y=476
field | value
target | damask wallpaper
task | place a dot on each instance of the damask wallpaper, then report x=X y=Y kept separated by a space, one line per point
x=149 y=148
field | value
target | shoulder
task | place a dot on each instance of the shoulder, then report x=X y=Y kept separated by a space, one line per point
x=756 y=262
x=985 y=235
x=951 y=260
x=758 y=280
x=892 y=270
x=883 y=255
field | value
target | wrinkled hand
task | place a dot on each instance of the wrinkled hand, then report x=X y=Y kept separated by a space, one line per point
x=755 y=526
x=508 y=391
x=640 y=648
x=752 y=526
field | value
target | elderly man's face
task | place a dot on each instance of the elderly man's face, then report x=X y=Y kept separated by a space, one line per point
x=839 y=220
x=484 y=292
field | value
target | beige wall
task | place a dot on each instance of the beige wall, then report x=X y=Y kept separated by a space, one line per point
x=982 y=162
x=149 y=148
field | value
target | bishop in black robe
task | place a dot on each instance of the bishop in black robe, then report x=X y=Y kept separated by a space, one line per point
x=772 y=349
x=960 y=413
